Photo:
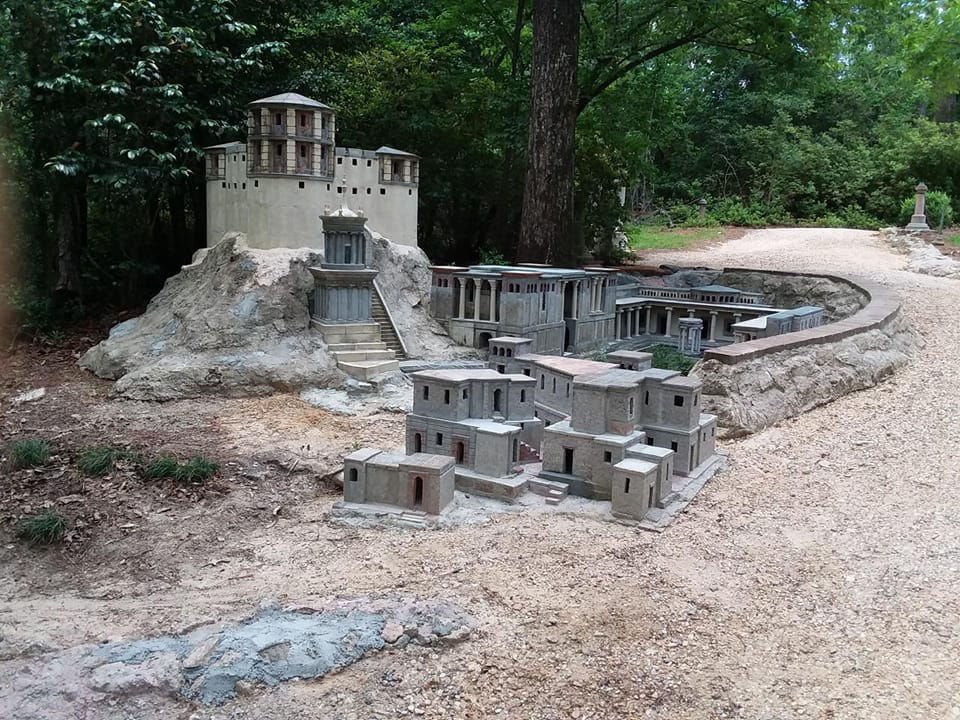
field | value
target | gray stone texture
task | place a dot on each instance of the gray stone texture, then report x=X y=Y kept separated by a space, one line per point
x=923 y=257
x=237 y=323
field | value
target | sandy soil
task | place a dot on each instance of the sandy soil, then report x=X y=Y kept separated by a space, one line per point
x=818 y=577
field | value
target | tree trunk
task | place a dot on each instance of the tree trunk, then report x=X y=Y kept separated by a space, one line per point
x=71 y=233
x=547 y=224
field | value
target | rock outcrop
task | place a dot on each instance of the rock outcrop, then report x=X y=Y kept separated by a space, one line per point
x=236 y=322
x=923 y=257
x=751 y=395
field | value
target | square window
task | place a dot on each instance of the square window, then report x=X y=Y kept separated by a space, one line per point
x=383 y=191
x=673 y=446
x=368 y=191
x=607 y=456
x=369 y=163
x=678 y=400
x=354 y=161
x=339 y=161
x=353 y=191
x=256 y=183
x=649 y=440
x=339 y=188
x=223 y=184
x=439 y=438
x=301 y=184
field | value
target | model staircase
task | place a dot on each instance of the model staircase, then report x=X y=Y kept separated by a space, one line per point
x=528 y=454
x=388 y=333
x=554 y=492
x=363 y=360
x=413 y=518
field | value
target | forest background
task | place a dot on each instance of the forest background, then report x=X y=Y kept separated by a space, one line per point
x=775 y=112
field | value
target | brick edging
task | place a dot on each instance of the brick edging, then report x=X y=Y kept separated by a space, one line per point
x=882 y=306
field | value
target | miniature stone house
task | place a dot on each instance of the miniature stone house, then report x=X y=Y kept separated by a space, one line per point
x=289 y=169
x=483 y=419
x=778 y=323
x=418 y=482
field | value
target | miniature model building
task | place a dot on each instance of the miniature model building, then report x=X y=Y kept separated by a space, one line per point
x=557 y=309
x=778 y=323
x=571 y=310
x=418 y=482
x=345 y=296
x=483 y=419
x=273 y=186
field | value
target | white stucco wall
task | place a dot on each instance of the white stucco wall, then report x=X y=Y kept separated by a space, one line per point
x=276 y=212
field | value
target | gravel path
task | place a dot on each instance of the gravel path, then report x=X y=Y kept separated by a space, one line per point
x=818 y=577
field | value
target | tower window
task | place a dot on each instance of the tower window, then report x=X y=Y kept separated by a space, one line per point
x=354 y=161
x=278 y=119
x=409 y=192
x=383 y=191
x=223 y=184
x=339 y=161
x=369 y=163
x=446 y=397
x=368 y=191
x=301 y=184
x=678 y=400
x=328 y=187
x=256 y=183
x=426 y=392
x=353 y=192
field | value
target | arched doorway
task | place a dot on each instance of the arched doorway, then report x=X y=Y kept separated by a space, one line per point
x=459 y=452
x=566 y=339
x=353 y=475
x=483 y=340
x=418 y=491
x=417 y=442
x=497 y=395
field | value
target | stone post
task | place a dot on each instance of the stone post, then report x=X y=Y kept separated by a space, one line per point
x=919 y=219
x=463 y=298
x=702 y=207
x=669 y=321
x=477 y=285
x=493 y=301
x=713 y=325
x=620 y=316
x=646 y=327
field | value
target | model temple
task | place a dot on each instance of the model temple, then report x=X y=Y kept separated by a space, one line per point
x=273 y=186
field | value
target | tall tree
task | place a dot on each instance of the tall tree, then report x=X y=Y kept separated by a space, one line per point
x=547 y=223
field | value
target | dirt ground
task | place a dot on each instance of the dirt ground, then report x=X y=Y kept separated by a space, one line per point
x=818 y=577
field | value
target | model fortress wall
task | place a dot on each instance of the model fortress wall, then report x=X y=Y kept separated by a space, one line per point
x=290 y=170
x=572 y=310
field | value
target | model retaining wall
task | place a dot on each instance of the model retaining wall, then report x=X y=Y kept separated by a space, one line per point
x=754 y=384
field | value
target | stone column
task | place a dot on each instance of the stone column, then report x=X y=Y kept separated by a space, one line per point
x=493 y=301
x=463 y=298
x=576 y=300
x=919 y=219
x=620 y=317
x=669 y=321
x=713 y=325
x=477 y=285
x=647 y=324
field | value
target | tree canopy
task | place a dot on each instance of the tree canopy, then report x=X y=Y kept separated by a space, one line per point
x=775 y=111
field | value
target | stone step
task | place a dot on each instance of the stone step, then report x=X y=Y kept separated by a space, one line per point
x=337 y=347
x=387 y=332
x=354 y=355
x=366 y=369
x=553 y=501
x=557 y=494
x=539 y=486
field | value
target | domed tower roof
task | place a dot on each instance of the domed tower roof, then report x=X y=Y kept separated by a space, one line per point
x=291 y=98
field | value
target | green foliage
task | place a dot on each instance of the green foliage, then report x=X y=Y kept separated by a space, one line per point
x=162 y=468
x=938 y=209
x=666 y=357
x=28 y=453
x=98 y=460
x=45 y=528
x=492 y=256
x=954 y=240
x=194 y=470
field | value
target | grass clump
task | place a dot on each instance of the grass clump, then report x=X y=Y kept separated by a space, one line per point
x=98 y=460
x=954 y=240
x=45 y=528
x=161 y=468
x=28 y=453
x=669 y=358
x=195 y=469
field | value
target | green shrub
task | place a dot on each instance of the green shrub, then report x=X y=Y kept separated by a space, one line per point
x=666 y=357
x=196 y=469
x=733 y=211
x=939 y=211
x=162 y=467
x=98 y=460
x=43 y=529
x=28 y=453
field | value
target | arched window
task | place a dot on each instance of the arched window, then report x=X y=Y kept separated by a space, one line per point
x=496 y=400
x=523 y=396
x=417 y=442
x=353 y=475
x=418 y=492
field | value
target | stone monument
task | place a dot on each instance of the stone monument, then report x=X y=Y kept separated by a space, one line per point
x=919 y=219
x=691 y=333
